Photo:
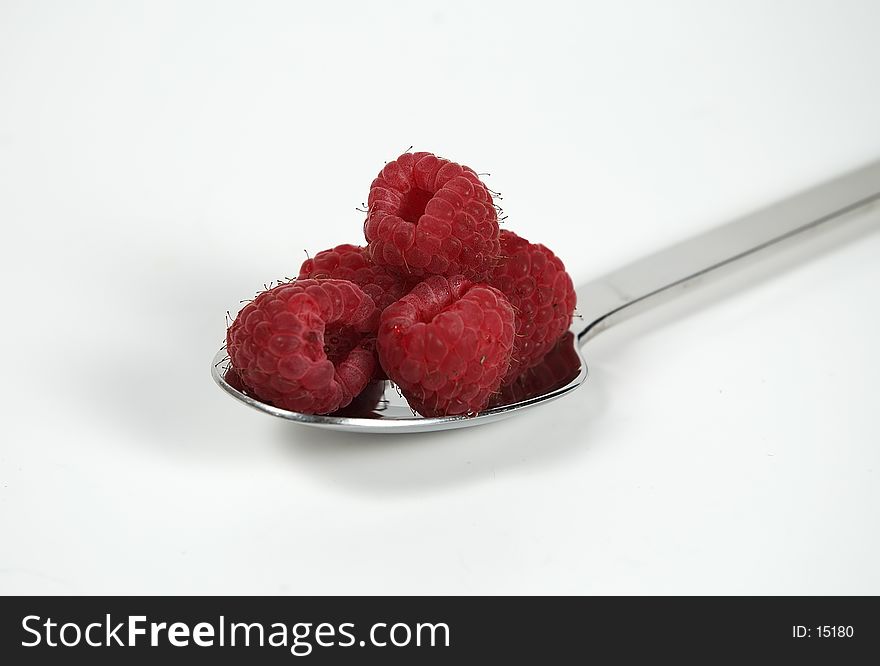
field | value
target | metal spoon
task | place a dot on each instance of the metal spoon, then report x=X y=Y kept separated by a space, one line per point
x=604 y=302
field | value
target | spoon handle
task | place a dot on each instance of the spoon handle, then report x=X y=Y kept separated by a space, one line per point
x=650 y=280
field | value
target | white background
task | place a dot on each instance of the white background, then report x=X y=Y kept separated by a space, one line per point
x=160 y=161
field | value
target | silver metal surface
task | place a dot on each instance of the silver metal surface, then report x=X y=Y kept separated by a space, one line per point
x=615 y=297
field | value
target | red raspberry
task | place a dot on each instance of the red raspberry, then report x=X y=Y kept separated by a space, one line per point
x=558 y=367
x=447 y=345
x=234 y=380
x=535 y=282
x=350 y=262
x=301 y=346
x=429 y=216
x=366 y=403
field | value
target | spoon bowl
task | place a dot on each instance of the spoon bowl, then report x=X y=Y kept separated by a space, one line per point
x=382 y=409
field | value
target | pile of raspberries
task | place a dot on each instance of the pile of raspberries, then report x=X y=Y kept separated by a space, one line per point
x=440 y=301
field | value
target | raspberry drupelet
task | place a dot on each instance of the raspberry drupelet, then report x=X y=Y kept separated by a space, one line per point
x=429 y=216
x=306 y=346
x=447 y=345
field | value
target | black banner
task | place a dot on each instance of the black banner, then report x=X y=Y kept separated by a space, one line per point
x=439 y=630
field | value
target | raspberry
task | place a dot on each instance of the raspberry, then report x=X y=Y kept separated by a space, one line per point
x=366 y=403
x=535 y=282
x=234 y=380
x=350 y=262
x=302 y=346
x=558 y=367
x=429 y=216
x=447 y=345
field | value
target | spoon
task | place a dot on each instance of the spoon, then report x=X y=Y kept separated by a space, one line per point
x=601 y=304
